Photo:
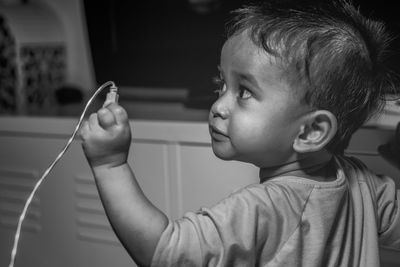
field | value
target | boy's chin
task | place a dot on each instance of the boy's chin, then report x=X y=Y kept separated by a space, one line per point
x=223 y=154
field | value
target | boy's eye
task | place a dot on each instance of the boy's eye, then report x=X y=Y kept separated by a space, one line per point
x=244 y=93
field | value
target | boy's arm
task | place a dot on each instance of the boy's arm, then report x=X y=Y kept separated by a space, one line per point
x=137 y=222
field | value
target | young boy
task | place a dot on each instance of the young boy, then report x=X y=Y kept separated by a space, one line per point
x=295 y=83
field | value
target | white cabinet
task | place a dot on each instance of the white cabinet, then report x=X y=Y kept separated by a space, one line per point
x=173 y=161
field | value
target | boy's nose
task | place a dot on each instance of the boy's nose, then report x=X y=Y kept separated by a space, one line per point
x=220 y=108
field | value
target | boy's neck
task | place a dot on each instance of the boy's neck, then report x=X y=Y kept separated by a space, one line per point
x=310 y=165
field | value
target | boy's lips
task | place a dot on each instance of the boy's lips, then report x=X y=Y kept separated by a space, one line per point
x=217 y=134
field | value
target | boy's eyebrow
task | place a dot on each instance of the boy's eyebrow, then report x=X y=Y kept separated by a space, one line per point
x=243 y=76
x=249 y=78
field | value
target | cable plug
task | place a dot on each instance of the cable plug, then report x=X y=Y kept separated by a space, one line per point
x=112 y=96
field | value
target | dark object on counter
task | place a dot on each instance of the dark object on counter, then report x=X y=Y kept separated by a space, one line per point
x=69 y=100
x=391 y=150
x=68 y=95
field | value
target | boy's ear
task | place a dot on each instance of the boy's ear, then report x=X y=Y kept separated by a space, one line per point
x=316 y=132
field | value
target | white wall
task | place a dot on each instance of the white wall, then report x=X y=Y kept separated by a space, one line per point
x=79 y=63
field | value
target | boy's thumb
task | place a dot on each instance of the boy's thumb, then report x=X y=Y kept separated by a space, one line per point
x=119 y=112
x=106 y=118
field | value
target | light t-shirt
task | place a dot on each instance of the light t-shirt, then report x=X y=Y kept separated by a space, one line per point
x=291 y=221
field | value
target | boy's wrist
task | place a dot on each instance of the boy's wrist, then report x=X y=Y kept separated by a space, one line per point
x=111 y=161
x=108 y=172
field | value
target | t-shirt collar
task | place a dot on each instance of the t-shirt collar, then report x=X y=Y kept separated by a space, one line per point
x=308 y=161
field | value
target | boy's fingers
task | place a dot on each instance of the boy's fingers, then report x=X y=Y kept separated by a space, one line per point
x=84 y=129
x=106 y=118
x=119 y=113
x=93 y=121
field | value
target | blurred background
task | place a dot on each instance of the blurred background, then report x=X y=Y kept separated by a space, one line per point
x=158 y=52
x=163 y=54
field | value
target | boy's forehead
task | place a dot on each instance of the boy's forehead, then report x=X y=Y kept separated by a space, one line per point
x=239 y=50
x=240 y=43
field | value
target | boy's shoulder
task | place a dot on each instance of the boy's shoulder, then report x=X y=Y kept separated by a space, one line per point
x=273 y=194
x=297 y=192
x=355 y=167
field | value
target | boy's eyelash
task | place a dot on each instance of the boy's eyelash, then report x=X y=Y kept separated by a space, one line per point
x=219 y=82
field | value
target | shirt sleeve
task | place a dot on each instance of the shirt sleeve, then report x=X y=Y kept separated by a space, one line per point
x=388 y=198
x=210 y=236
x=231 y=233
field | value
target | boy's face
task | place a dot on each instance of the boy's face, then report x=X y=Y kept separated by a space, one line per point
x=256 y=117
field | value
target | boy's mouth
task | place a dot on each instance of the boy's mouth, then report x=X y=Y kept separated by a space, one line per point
x=217 y=135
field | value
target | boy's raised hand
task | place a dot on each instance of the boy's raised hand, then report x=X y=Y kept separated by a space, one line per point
x=106 y=137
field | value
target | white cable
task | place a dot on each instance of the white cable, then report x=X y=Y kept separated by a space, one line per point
x=39 y=182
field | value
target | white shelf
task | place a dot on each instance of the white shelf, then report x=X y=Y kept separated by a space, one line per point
x=389 y=118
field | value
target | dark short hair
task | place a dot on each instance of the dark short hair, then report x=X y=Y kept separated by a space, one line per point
x=335 y=56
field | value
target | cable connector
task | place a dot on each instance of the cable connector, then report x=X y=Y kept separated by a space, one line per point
x=112 y=96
